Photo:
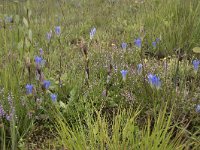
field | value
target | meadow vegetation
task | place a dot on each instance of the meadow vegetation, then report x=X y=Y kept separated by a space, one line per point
x=100 y=74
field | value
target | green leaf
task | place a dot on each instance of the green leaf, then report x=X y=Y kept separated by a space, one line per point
x=20 y=44
x=25 y=22
x=196 y=50
x=112 y=104
x=17 y=19
x=30 y=35
x=27 y=43
x=29 y=14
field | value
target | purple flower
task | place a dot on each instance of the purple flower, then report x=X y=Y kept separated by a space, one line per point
x=124 y=45
x=8 y=117
x=38 y=60
x=41 y=51
x=58 y=30
x=198 y=108
x=196 y=64
x=10 y=100
x=138 y=42
x=157 y=40
x=49 y=35
x=154 y=81
x=139 y=69
x=154 y=44
x=150 y=76
x=29 y=89
x=124 y=73
x=92 y=33
x=2 y=112
x=46 y=84
x=53 y=97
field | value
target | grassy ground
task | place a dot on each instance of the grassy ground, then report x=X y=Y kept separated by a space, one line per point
x=100 y=74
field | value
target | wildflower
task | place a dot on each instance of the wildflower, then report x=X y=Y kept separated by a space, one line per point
x=150 y=76
x=2 y=112
x=53 y=97
x=198 y=108
x=124 y=73
x=124 y=45
x=92 y=33
x=8 y=117
x=196 y=64
x=38 y=60
x=46 y=84
x=154 y=44
x=58 y=30
x=154 y=81
x=138 y=42
x=49 y=35
x=29 y=89
x=157 y=40
x=139 y=69
x=10 y=100
x=41 y=51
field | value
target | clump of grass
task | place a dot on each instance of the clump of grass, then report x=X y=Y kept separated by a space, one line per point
x=121 y=132
x=176 y=23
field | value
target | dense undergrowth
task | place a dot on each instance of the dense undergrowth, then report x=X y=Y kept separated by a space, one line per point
x=100 y=74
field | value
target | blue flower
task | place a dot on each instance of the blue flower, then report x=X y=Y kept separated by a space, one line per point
x=196 y=64
x=138 y=42
x=154 y=81
x=124 y=73
x=139 y=68
x=53 y=97
x=150 y=77
x=38 y=60
x=29 y=89
x=92 y=33
x=124 y=45
x=154 y=44
x=46 y=84
x=58 y=30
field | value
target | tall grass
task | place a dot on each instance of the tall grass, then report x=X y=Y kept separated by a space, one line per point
x=121 y=132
